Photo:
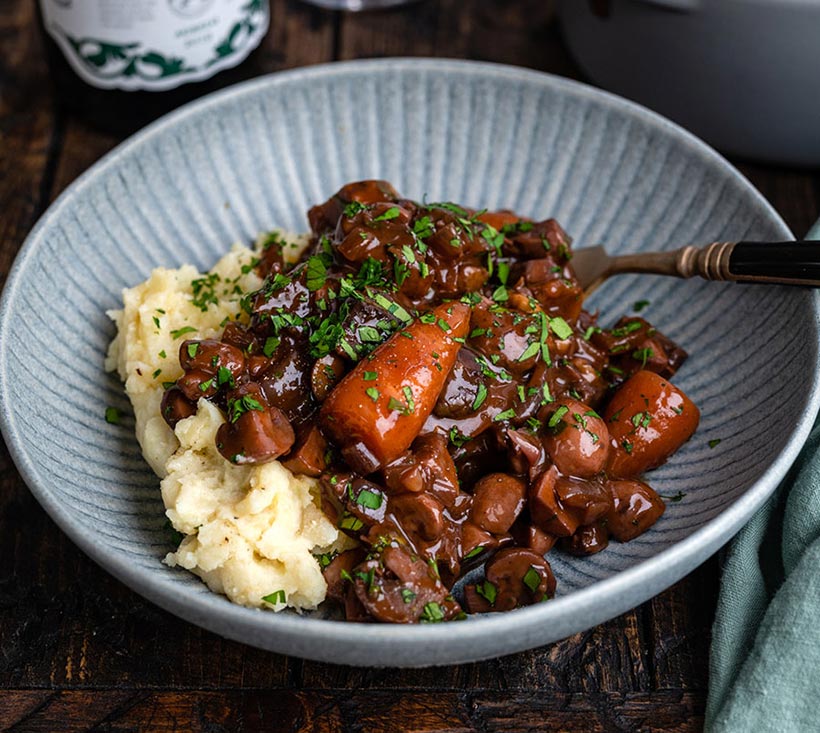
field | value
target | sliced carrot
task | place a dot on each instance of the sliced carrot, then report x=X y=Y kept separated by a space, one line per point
x=375 y=419
x=648 y=418
x=498 y=219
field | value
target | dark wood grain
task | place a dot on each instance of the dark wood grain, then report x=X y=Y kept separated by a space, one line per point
x=29 y=129
x=319 y=711
x=79 y=651
x=523 y=33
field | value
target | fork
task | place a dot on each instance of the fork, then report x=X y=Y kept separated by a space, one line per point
x=786 y=263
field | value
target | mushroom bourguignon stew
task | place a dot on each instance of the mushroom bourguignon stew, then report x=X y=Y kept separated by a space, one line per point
x=433 y=367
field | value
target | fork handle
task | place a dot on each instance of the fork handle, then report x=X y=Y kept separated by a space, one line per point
x=787 y=263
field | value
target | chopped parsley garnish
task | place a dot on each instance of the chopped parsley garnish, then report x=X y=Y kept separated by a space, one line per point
x=643 y=355
x=325 y=558
x=457 y=438
x=392 y=213
x=112 y=415
x=368 y=334
x=192 y=349
x=354 y=524
x=639 y=305
x=348 y=349
x=373 y=393
x=641 y=419
x=557 y=416
x=532 y=350
x=241 y=405
x=506 y=415
x=279 y=282
x=449 y=206
x=204 y=291
x=353 y=208
x=370 y=376
x=369 y=499
x=500 y=294
x=714 y=443
x=432 y=613
x=325 y=338
x=271 y=239
x=503 y=272
x=474 y=552
x=546 y=397
x=487 y=590
x=515 y=227
x=407 y=595
x=370 y=273
x=393 y=308
x=481 y=395
x=182 y=331
x=423 y=227
x=246 y=268
x=560 y=327
x=271 y=344
x=676 y=498
x=408 y=395
x=496 y=240
x=224 y=376
x=625 y=330
x=396 y=406
x=275 y=597
x=316 y=273
x=532 y=579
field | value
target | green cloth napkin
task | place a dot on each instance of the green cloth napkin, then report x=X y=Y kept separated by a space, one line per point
x=765 y=659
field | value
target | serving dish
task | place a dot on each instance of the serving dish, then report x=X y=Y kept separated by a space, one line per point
x=257 y=155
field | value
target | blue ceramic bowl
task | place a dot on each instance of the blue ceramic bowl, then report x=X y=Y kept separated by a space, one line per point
x=256 y=156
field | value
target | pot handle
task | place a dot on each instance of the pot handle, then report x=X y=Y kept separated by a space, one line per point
x=814 y=233
x=679 y=5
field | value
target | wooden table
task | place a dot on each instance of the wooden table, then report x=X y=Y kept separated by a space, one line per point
x=80 y=651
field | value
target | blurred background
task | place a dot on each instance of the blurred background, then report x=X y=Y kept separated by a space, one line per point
x=703 y=63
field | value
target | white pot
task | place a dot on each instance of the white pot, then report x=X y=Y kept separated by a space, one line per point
x=742 y=74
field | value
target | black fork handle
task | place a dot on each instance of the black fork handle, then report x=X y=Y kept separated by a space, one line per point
x=788 y=263
x=785 y=263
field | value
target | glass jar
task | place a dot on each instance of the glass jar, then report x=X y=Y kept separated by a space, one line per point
x=122 y=63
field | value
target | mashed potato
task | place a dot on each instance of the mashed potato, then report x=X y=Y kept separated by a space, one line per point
x=251 y=532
